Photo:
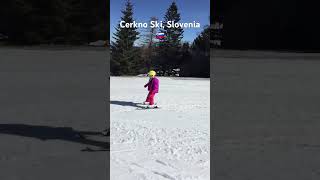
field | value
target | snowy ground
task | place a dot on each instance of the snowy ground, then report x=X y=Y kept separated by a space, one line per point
x=46 y=97
x=172 y=142
x=266 y=115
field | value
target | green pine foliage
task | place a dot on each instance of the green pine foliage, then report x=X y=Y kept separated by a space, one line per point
x=196 y=59
x=169 y=54
x=173 y=35
x=124 y=56
x=202 y=42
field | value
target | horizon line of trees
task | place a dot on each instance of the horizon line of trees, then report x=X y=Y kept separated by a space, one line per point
x=28 y=22
x=169 y=57
x=289 y=25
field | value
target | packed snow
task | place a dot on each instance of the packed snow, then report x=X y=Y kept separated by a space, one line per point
x=171 y=142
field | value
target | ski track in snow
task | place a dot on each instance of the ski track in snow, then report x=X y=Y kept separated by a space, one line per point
x=171 y=143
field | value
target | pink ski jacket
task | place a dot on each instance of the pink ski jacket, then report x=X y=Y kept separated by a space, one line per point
x=153 y=85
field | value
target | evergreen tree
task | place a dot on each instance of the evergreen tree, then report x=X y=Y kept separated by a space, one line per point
x=173 y=34
x=124 y=55
x=197 y=64
x=169 y=49
x=99 y=15
x=202 y=41
x=54 y=21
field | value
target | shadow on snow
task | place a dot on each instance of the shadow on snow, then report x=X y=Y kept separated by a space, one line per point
x=125 y=103
x=52 y=133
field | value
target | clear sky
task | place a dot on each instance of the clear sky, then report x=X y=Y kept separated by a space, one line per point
x=143 y=10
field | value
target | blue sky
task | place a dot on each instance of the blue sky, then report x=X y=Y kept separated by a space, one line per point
x=190 y=10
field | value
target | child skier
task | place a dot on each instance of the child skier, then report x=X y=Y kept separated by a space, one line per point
x=153 y=88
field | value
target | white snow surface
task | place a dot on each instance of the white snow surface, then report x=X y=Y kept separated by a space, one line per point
x=172 y=142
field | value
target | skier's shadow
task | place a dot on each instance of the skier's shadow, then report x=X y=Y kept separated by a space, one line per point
x=125 y=103
x=50 y=133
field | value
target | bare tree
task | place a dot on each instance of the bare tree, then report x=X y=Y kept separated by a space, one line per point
x=148 y=40
x=149 y=34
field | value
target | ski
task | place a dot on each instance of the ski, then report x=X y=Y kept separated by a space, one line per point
x=148 y=107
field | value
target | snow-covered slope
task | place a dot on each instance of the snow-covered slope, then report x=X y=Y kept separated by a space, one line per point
x=172 y=142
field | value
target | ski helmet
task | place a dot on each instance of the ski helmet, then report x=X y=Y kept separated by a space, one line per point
x=151 y=73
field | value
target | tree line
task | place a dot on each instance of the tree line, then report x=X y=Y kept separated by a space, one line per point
x=168 y=57
x=54 y=21
x=269 y=24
